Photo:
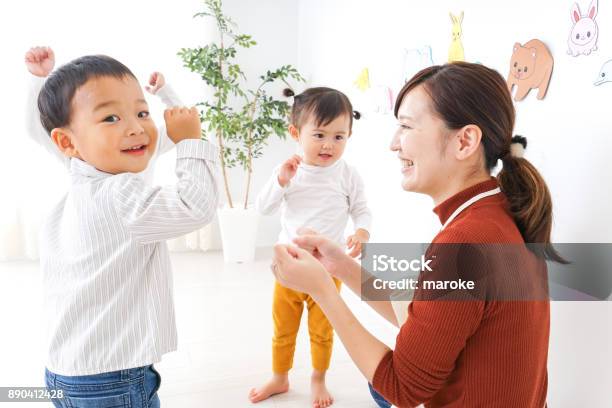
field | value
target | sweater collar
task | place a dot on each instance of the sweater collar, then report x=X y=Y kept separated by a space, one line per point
x=445 y=209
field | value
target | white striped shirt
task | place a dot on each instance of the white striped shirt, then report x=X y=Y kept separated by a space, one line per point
x=106 y=270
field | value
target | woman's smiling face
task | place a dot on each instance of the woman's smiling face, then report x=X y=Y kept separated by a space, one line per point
x=421 y=145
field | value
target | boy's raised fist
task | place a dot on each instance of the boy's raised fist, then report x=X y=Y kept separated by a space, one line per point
x=40 y=61
x=182 y=123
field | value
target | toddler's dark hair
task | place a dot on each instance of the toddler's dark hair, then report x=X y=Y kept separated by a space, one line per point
x=326 y=104
x=55 y=97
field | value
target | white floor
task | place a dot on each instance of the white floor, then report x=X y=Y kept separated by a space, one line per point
x=224 y=326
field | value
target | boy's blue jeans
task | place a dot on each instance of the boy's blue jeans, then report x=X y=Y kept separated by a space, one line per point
x=133 y=388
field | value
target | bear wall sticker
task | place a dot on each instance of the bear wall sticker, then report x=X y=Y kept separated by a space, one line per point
x=605 y=73
x=583 y=36
x=531 y=67
x=455 y=51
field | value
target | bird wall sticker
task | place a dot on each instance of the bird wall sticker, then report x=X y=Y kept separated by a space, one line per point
x=605 y=73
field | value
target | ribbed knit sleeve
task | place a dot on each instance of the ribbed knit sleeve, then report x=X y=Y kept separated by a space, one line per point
x=426 y=350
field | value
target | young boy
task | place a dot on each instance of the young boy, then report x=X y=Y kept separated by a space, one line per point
x=106 y=270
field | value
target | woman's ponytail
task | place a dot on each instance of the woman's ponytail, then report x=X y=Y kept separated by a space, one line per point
x=530 y=201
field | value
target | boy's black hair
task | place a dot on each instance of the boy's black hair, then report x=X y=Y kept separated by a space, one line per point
x=55 y=97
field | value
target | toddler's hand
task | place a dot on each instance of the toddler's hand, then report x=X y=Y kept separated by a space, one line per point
x=182 y=123
x=156 y=81
x=288 y=170
x=40 y=61
x=356 y=241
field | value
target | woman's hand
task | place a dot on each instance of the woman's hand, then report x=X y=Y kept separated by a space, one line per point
x=296 y=269
x=327 y=252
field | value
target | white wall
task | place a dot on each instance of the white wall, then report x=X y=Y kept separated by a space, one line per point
x=569 y=135
x=568 y=132
x=145 y=35
x=272 y=23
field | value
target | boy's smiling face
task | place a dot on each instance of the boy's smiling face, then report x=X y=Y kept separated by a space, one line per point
x=110 y=127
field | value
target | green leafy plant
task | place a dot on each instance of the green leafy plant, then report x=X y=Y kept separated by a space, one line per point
x=242 y=119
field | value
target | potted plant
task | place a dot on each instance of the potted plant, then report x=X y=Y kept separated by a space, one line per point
x=241 y=119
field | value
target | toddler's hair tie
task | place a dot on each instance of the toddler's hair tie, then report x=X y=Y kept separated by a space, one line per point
x=288 y=92
x=356 y=115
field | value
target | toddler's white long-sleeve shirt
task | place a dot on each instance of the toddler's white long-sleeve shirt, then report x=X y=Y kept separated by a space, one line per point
x=320 y=198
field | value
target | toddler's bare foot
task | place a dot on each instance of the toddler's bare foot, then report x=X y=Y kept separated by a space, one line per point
x=321 y=398
x=278 y=384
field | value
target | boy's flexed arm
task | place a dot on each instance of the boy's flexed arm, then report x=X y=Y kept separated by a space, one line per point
x=155 y=214
x=40 y=62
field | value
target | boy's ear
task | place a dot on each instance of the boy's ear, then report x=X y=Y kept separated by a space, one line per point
x=293 y=131
x=63 y=140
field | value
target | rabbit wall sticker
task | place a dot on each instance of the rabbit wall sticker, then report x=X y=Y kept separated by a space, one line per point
x=455 y=52
x=585 y=32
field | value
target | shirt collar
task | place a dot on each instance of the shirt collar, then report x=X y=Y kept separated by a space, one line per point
x=79 y=167
x=447 y=207
x=320 y=169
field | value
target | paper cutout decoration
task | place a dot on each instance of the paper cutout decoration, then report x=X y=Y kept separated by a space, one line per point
x=584 y=34
x=377 y=99
x=531 y=66
x=415 y=60
x=363 y=80
x=370 y=92
x=383 y=99
x=605 y=74
x=455 y=52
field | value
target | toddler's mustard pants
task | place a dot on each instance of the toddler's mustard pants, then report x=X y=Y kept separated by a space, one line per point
x=287 y=310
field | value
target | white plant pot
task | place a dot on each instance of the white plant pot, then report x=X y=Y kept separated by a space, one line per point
x=238 y=233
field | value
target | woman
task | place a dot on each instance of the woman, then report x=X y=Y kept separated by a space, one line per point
x=455 y=123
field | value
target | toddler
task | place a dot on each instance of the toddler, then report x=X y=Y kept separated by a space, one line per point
x=318 y=190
